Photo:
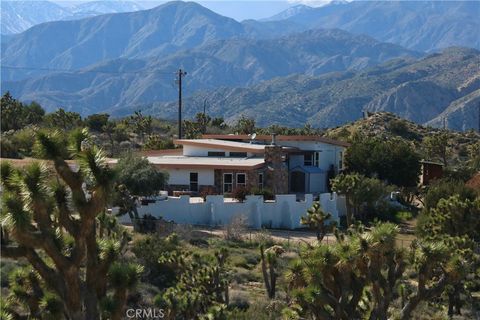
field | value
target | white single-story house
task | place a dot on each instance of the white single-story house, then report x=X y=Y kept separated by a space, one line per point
x=222 y=163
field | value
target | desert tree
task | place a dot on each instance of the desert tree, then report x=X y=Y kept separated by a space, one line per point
x=359 y=191
x=437 y=146
x=318 y=220
x=360 y=275
x=269 y=263
x=50 y=219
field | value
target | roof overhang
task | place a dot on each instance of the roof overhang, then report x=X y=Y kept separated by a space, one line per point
x=235 y=137
x=222 y=145
x=207 y=166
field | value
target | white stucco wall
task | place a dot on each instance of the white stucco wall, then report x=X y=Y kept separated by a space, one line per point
x=284 y=212
x=182 y=176
x=317 y=182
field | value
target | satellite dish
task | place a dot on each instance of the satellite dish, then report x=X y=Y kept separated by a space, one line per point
x=253 y=136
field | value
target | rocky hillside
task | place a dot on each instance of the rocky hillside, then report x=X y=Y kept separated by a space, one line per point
x=387 y=125
x=424 y=90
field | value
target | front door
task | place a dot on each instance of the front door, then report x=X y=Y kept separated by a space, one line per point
x=194 y=181
x=297 y=182
x=227 y=182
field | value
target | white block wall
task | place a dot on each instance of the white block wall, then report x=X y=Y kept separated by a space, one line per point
x=182 y=176
x=284 y=212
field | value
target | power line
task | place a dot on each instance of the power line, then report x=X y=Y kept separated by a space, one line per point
x=86 y=71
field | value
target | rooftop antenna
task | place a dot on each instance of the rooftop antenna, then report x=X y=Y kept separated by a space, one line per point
x=252 y=137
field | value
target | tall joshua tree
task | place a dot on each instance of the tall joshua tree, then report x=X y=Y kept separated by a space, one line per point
x=50 y=220
x=269 y=263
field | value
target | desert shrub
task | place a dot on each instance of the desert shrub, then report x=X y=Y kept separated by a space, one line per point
x=146 y=224
x=239 y=261
x=400 y=127
x=238 y=300
x=235 y=230
x=444 y=188
x=240 y=193
x=263 y=237
x=242 y=275
x=147 y=250
x=266 y=193
x=403 y=215
x=184 y=231
x=199 y=242
x=208 y=191
x=251 y=258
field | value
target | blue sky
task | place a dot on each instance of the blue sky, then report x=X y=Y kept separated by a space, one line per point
x=239 y=10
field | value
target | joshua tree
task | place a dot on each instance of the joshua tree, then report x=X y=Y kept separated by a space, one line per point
x=201 y=288
x=269 y=259
x=50 y=218
x=317 y=219
x=346 y=185
x=334 y=279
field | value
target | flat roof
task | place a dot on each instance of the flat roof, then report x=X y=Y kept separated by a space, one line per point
x=180 y=162
x=278 y=138
x=226 y=145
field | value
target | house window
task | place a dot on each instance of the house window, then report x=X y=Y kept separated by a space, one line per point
x=260 y=181
x=340 y=161
x=194 y=181
x=227 y=182
x=216 y=154
x=241 y=179
x=308 y=159
x=238 y=154
x=316 y=157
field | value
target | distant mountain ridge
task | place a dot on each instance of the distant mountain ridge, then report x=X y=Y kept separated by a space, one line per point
x=424 y=91
x=417 y=25
x=284 y=70
x=234 y=62
x=160 y=31
x=18 y=16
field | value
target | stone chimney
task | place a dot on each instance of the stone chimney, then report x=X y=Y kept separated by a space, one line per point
x=274 y=139
x=276 y=173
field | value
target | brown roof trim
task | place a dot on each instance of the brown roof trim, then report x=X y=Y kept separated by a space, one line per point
x=162 y=152
x=431 y=162
x=206 y=166
x=278 y=138
x=217 y=146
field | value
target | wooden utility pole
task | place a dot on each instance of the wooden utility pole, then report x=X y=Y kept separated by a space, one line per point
x=180 y=74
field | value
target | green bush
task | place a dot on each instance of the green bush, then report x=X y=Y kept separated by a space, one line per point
x=240 y=193
x=445 y=188
x=403 y=216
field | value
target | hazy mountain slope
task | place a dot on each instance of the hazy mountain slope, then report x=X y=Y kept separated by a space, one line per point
x=235 y=62
x=75 y=44
x=418 y=25
x=18 y=16
x=417 y=90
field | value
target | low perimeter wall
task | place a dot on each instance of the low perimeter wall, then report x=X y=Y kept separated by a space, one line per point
x=283 y=212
